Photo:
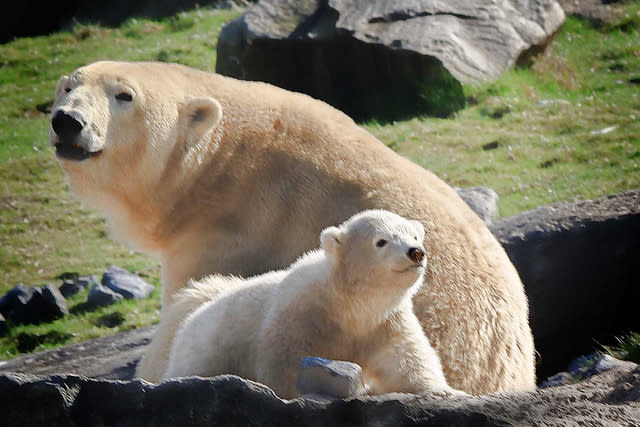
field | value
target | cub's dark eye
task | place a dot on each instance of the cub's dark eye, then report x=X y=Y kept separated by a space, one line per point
x=67 y=89
x=124 y=96
x=380 y=243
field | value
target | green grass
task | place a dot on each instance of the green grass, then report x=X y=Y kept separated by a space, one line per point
x=627 y=347
x=544 y=119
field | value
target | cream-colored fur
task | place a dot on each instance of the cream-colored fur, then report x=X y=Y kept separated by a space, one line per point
x=216 y=175
x=351 y=300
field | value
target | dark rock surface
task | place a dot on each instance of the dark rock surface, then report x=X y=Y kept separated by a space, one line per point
x=101 y=296
x=71 y=287
x=610 y=398
x=14 y=298
x=125 y=283
x=45 y=304
x=483 y=201
x=381 y=58
x=580 y=264
x=112 y=357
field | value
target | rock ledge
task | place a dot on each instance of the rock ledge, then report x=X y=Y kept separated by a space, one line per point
x=606 y=399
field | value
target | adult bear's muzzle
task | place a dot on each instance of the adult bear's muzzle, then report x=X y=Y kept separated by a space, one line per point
x=65 y=126
x=67 y=129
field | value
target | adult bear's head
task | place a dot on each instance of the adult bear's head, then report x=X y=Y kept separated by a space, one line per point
x=120 y=128
x=113 y=108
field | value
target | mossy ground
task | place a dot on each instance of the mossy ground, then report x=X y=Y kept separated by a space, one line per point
x=565 y=129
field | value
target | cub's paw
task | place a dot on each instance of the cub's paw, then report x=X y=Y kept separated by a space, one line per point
x=449 y=393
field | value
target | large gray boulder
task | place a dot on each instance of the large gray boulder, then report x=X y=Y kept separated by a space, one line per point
x=610 y=398
x=383 y=58
x=125 y=283
x=580 y=264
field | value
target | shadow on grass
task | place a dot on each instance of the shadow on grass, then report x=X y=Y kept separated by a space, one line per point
x=26 y=342
x=82 y=308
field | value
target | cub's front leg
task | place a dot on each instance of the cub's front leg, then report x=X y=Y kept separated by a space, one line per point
x=404 y=361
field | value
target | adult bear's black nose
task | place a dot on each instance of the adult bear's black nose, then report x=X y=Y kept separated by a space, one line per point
x=65 y=126
x=416 y=255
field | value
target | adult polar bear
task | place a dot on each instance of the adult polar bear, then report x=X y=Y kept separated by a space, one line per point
x=216 y=175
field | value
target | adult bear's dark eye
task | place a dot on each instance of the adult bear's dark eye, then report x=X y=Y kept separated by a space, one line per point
x=67 y=89
x=380 y=243
x=124 y=96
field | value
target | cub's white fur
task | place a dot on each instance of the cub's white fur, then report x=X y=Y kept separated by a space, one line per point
x=349 y=300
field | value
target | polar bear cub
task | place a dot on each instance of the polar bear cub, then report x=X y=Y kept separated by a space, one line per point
x=349 y=300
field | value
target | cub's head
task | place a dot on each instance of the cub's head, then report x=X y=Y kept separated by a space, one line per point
x=120 y=124
x=377 y=251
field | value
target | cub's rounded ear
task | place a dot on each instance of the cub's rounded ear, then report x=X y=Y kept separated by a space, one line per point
x=198 y=116
x=331 y=239
x=419 y=228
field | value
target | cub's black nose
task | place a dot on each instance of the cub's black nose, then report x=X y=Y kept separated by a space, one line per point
x=65 y=126
x=416 y=255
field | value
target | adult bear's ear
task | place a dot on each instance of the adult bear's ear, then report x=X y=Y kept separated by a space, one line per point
x=198 y=116
x=330 y=240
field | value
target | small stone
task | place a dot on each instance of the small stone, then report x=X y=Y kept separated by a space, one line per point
x=127 y=284
x=561 y=378
x=482 y=200
x=545 y=102
x=603 y=131
x=604 y=363
x=71 y=287
x=587 y=366
x=326 y=377
x=491 y=145
x=100 y=296
x=579 y=366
